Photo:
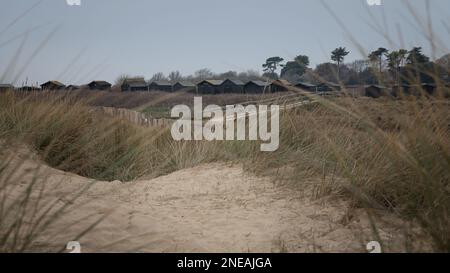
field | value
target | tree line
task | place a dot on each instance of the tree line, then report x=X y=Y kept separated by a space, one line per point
x=199 y=75
x=381 y=66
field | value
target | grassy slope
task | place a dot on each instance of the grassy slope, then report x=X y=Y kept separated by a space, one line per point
x=383 y=154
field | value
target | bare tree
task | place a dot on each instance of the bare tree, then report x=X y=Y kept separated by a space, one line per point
x=158 y=77
x=175 y=76
x=228 y=75
x=120 y=79
x=203 y=74
x=249 y=75
x=253 y=74
x=359 y=65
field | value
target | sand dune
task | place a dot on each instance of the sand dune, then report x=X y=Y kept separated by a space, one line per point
x=209 y=208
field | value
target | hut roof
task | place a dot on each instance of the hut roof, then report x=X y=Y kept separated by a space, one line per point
x=186 y=84
x=161 y=83
x=212 y=82
x=259 y=83
x=136 y=82
x=133 y=80
x=57 y=83
x=236 y=82
x=101 y=83
x=330 y=84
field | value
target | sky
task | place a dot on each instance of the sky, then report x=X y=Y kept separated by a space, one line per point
x=101 y=39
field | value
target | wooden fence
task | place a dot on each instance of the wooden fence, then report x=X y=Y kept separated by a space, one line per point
x=286 y=102
x=135 y=117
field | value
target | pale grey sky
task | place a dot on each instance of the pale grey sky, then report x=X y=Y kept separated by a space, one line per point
x=104 y=38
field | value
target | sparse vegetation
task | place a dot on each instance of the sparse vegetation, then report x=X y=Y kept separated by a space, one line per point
x=392 y=155
x=389 y=155
x=72 y=137
x=382 y=154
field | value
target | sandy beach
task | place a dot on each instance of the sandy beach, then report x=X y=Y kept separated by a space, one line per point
x=209 y=208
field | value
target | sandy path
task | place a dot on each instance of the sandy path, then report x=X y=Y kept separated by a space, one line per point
x=210 y=208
